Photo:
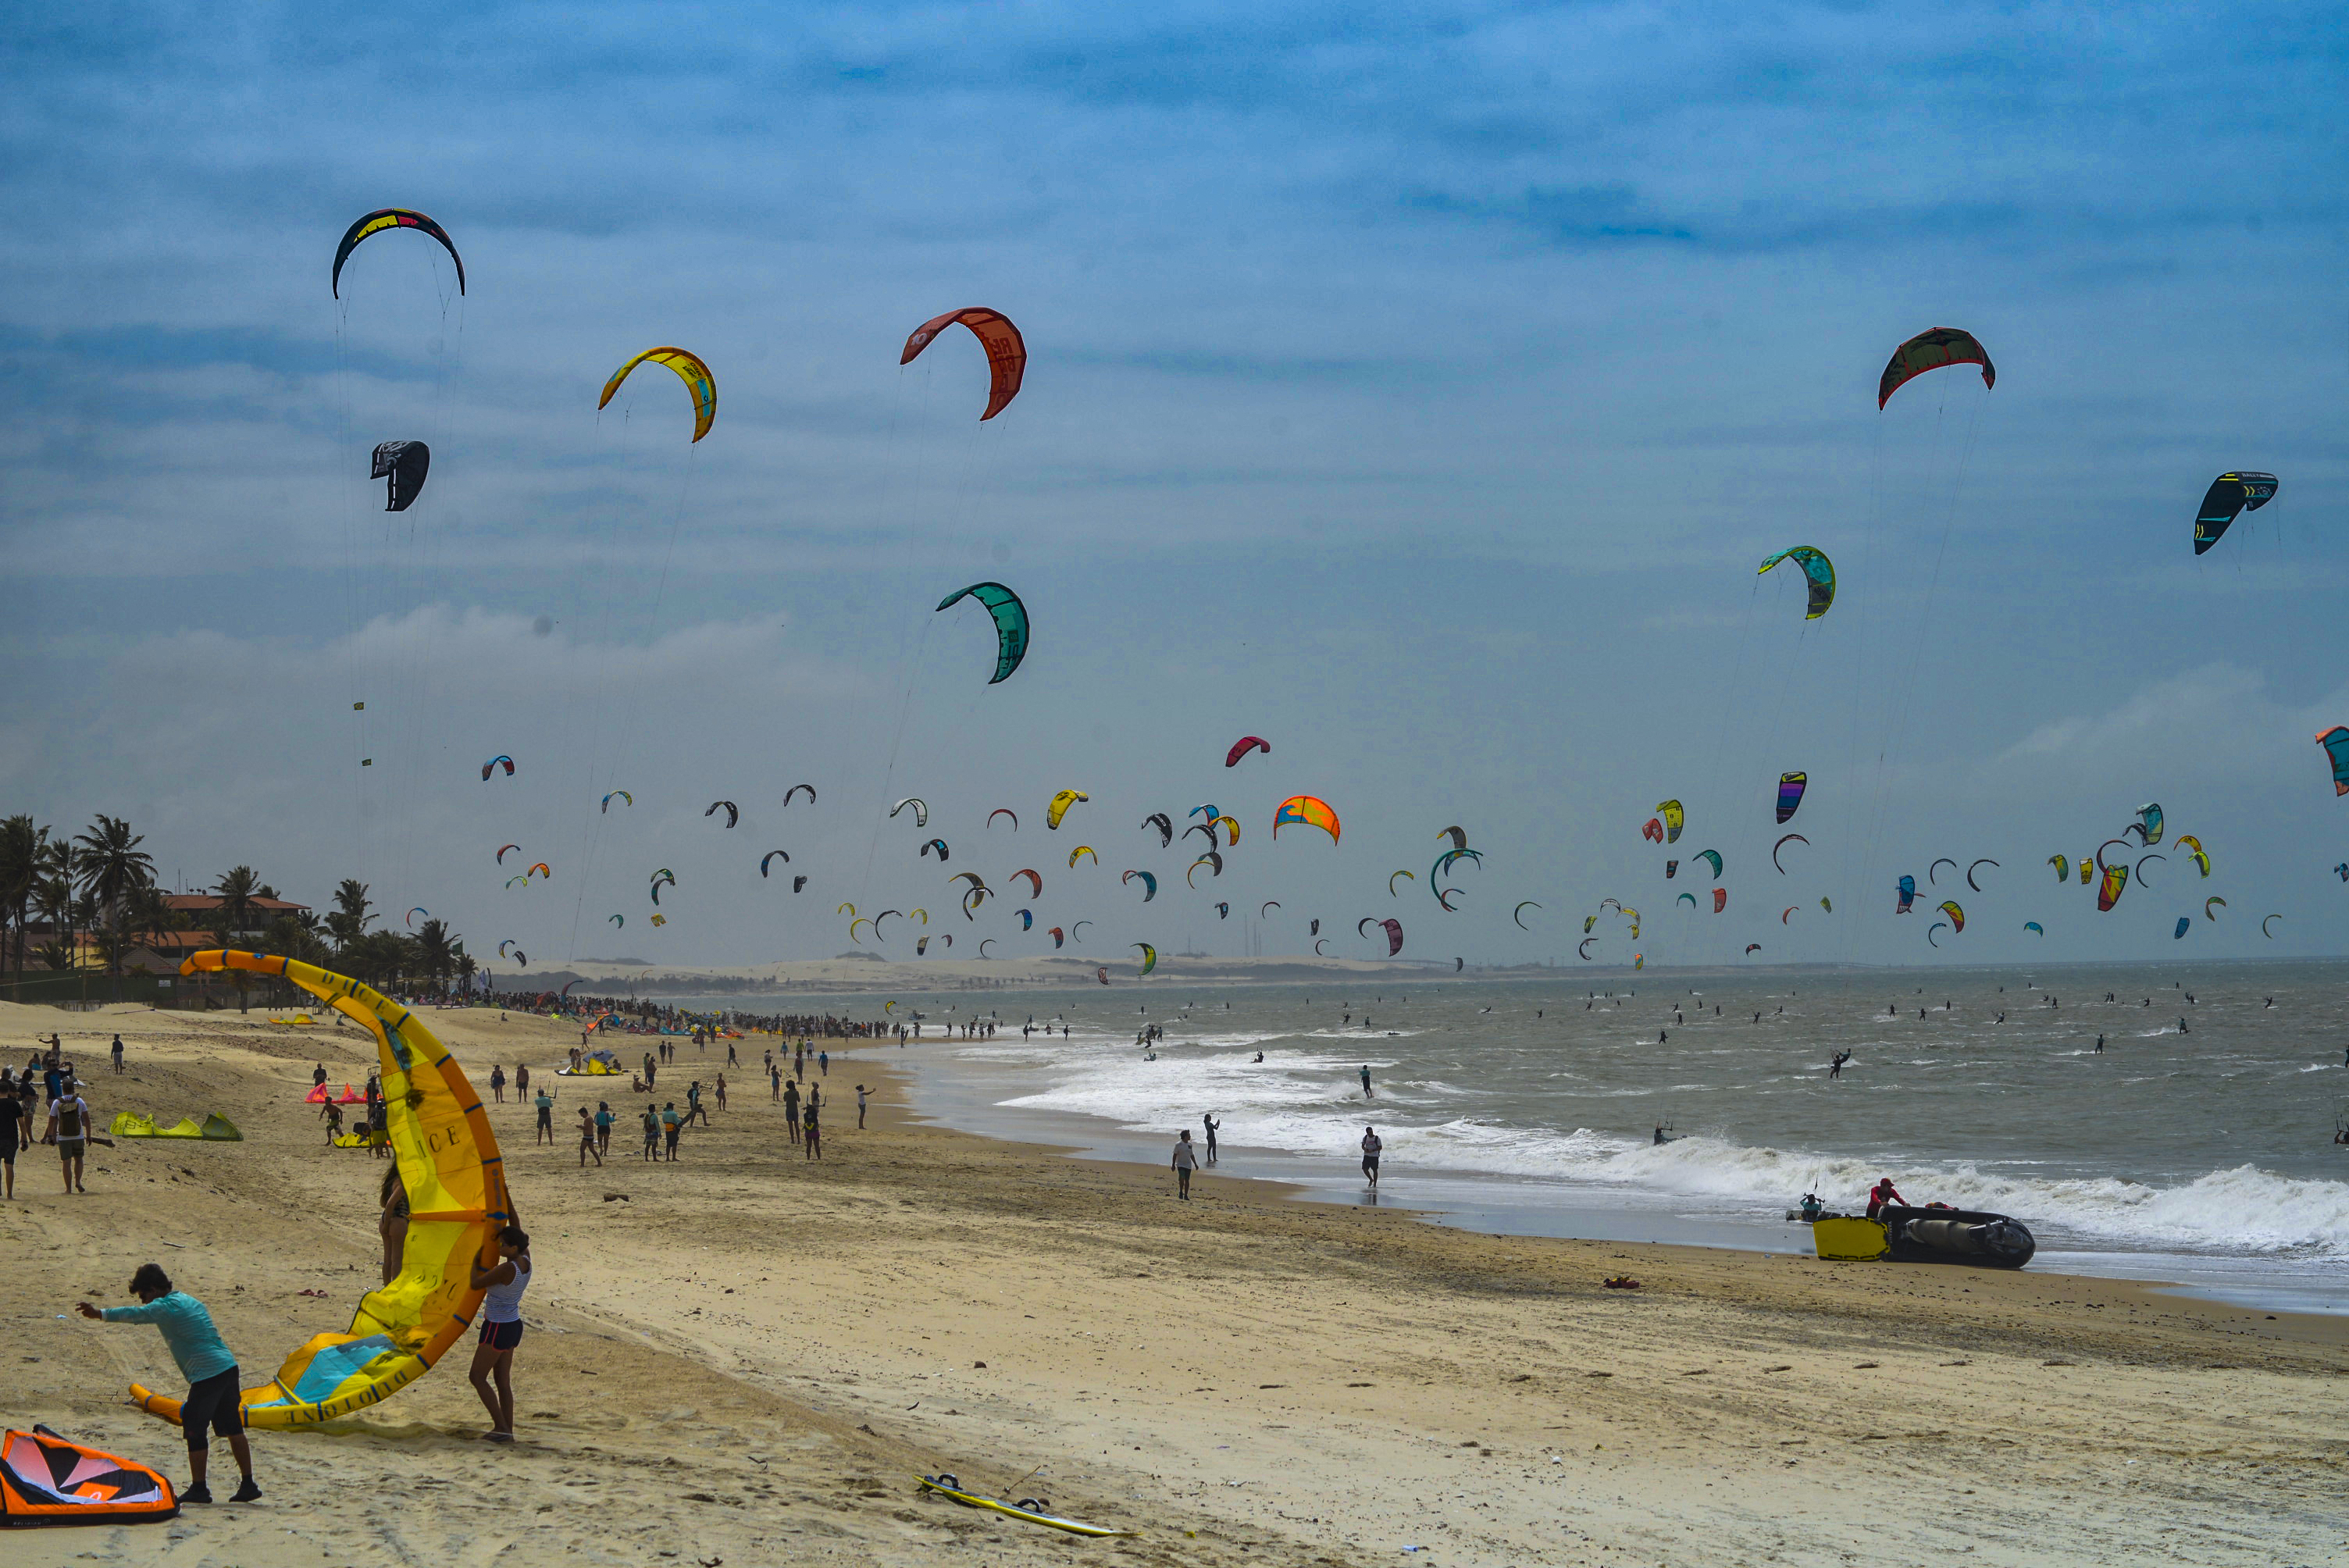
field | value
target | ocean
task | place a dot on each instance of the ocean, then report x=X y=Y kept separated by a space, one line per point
x=2196 y=1147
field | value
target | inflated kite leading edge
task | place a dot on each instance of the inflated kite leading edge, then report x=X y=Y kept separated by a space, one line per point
x=450 y=1164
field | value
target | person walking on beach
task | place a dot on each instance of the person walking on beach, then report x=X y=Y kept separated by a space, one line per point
x=68 y=1129
x=213 y=1404
x=721 y=1093
x=587 y=1138
x=824 y=1063
x=652 y=1132
x=497 y=1080
x=774 y=1081
x=1186 y=1160
x=545 y=1103
x=604 y=1120
x=860 y=1107
x=1371 y=1145
x=811 y=1132
x=1210 y=1123
x=671 y=1125
x=1366 y=1080
x=15 y=1130
x=792 y=1108
x=502 y=1285
x=521 y=1076
x=731 y=1060
x=117 y=1050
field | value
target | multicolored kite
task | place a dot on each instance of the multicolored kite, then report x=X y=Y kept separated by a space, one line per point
x=1817 y=568
x=698 y=383
x=385 y=218
x=1790 y=794
x=1314 y=812
x=1932 y=350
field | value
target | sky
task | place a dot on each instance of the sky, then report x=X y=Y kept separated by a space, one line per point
x=1415 y=387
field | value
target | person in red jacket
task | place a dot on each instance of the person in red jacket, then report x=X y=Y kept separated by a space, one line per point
x=1882 y=1194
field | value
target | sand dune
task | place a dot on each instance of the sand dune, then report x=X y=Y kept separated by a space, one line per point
x=749 y=1359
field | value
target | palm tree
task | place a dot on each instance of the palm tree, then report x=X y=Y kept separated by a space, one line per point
x=21 y=844
x=432 y=940
x=237 y=890
x=466 y=967
x=113 y=869
x=56 y=870
x=350 y=920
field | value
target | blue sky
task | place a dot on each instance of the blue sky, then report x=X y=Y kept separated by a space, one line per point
x=1415 y=387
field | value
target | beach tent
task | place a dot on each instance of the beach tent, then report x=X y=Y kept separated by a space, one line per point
x=44 y=1480
x=219 y=1129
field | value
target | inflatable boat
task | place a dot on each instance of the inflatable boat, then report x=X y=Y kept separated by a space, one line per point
x=1925 y=1236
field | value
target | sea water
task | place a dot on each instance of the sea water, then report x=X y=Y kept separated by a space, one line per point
x=2203 y=1153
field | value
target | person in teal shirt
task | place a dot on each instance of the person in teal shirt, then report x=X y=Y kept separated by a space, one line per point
x=213 y=1402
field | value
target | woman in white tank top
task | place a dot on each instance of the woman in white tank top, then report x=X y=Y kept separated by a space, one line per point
x=502 y=1285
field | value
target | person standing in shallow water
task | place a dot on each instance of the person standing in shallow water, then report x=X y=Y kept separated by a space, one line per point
x=1211 y=1124
x=1372 y=1146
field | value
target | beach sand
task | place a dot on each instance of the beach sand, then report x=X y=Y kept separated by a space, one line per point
x=748 y=1360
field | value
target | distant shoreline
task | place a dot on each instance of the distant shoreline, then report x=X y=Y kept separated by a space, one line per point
x=855 y=974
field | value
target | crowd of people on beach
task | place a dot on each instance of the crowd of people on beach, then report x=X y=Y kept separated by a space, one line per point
x=48 y=1092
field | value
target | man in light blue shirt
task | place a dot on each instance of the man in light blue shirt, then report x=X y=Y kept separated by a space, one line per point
x=212 y=1401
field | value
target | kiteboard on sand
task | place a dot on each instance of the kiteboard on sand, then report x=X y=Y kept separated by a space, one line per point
x=1030 y=1509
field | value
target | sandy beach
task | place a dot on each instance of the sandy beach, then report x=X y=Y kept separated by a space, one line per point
x=746 y=1357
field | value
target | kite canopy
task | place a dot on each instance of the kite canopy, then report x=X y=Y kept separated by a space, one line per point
x=494 y=762
x=1010 y=624
x=2336 y=742
x=1308 y=810
x=1007 y=351
x=455 y=1179
x=1957 y=916
x=2230 y=496
x=699 y=383
x=1713 y=857
x=404 y=464
x=1060 y=809
x=45 y=1480
x=1933 y=350
x=1817 y=568
x=1243 y=746
x=1393 y=928
x=1790 y=794
x=376 y=222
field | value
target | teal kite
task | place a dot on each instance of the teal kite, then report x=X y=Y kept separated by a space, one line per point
x=1817 y=568
x=1011 y=624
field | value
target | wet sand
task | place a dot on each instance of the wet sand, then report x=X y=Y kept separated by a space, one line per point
x=751 y=1355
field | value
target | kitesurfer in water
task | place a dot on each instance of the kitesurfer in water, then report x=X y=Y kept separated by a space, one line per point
x=1366 y=1080
x=1834 y=1068
x=214 y=1404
